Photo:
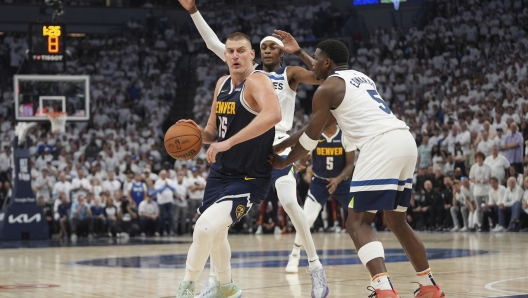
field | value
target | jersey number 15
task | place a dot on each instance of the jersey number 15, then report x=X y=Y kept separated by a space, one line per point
x=222 y=127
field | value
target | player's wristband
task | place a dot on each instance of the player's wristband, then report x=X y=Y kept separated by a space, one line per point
x=297 y=53
x=307 y=143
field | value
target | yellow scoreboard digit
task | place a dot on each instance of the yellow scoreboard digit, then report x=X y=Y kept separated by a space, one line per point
x=53 y=33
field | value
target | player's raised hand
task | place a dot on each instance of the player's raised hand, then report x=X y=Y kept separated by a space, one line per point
x=189 y=5
x=290 y=44
x=216 y=148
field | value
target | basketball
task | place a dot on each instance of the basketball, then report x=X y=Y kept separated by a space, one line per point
x=183 y=141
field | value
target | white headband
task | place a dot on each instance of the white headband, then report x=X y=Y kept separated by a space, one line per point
x=271 y=38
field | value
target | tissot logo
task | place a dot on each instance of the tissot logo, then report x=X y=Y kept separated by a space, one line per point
x=24 y=218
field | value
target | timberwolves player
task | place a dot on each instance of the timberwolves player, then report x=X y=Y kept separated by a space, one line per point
x=332 y=165
x=285 y=80
x=240 y=130
x=382 y=179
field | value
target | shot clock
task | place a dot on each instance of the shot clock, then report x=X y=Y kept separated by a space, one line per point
x=47 y=42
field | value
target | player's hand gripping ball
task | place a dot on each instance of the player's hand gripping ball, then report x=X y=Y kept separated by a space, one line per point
x=183 y=140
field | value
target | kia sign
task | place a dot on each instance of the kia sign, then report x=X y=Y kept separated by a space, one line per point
x=22 y=218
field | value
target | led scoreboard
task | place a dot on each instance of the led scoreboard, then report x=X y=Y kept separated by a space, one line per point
x=47 y=42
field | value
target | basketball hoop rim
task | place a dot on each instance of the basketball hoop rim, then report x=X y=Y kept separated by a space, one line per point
x=54 y=115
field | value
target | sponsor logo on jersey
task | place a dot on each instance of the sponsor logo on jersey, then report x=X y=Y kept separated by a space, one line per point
x=324 y=151
x=248 y=178
x=239 y=211
x=222 y=91
x=321 y=140
x=226 y=107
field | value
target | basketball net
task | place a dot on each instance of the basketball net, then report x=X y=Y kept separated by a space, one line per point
x=21 y=130
x=58 y=121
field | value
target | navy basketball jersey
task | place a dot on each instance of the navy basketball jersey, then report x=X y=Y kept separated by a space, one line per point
x=233 y=113
x=137 y=191
x=329 y=158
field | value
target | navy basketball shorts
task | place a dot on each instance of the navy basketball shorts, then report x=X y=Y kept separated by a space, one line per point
x=319 y=193
x=277 y=173
x=383 y=175
x=242 y=191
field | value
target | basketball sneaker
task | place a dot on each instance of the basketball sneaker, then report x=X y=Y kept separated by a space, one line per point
x=293 y=263
x=376 y=293
x=210 y=288
x=228 y=291
x=186 y=289
x=259 y=230
x=319 y=287
x=428 y=292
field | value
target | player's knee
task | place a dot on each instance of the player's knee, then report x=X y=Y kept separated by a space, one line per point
x=353 y=223
x=203 y=229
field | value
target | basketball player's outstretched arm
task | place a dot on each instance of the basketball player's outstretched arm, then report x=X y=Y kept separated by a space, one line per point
x=261 y=97
x=211 y=40
x=328 y=95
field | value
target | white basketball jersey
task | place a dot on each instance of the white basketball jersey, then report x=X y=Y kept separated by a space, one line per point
x=363 y=114
x=286 y=101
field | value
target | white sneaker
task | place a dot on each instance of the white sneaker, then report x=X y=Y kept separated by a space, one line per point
x=143 y=235
x=499 y=229
x=259 y=230
x=293 y=263
x=73 y=237
x=186 y=289
x=337 y=230
x=319 y=286
x=455 y=229
x=125 y=235
x=156 y=234
x=277 y=230
x=464 y=229
x=210 y=289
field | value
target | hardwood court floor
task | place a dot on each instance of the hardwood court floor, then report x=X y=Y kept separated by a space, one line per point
x=466 y=265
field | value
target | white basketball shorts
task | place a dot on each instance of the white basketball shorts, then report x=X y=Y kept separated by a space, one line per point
x=383 y=176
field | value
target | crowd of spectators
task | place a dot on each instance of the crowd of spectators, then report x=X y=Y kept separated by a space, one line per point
x=460 y=83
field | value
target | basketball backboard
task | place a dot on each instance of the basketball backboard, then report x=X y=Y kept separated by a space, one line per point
x=35 y=95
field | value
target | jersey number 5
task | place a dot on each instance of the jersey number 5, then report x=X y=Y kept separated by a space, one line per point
x=329 y=163
x=222 y=128
x=383 y=105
